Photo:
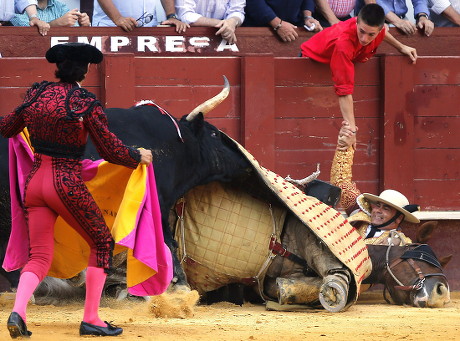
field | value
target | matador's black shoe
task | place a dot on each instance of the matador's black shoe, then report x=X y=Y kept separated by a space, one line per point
x=17 y=326
x=91 y=329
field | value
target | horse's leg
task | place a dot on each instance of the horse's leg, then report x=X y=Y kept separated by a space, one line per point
x=333 y=291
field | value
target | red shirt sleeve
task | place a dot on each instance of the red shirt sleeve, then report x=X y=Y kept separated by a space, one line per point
x=343 y=68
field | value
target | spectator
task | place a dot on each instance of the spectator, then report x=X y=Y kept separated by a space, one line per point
x=56 y=13
x=136 y=13
x=395 y=14
x=225 y=15
x=9 y=7
x=445 y=13
x=348 y=42
x=330 y=12
x=284 y=17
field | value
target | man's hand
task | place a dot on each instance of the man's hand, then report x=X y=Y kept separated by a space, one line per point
x=68 y=19
x=146 y=156
x=405 y=26
x=410 y=52
x=83 y=20
x=426 y=25
x=43 y=27
x=227 y=29
x=312 y=21
x=287 y=32
x=180 y=26
x=126 y=23
x=347 y=137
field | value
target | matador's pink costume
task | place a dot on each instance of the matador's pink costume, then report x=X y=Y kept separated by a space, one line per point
x=59 y=118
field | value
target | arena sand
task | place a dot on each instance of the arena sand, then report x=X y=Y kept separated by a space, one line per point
x=178 y=318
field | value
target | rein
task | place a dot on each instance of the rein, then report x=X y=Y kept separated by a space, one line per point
x=419 y=282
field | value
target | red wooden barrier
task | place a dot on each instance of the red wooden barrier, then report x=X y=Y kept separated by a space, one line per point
x=282 y=107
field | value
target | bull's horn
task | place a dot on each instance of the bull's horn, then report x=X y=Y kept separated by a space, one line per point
x=211 y=103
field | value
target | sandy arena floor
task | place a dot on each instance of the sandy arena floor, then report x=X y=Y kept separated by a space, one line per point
x=370 y=319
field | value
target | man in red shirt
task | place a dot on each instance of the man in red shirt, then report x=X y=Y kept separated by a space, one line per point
x=350 y=41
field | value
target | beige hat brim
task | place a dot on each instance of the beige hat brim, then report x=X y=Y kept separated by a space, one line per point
x=407 y=215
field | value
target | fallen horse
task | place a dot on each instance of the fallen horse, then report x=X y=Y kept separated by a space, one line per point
x=301 y=269
x=229 y=233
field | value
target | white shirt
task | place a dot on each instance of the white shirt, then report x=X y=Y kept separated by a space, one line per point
x=8 y=8
x=437 y=7
x=190 y=11
x=377 y=233
x=131 y=8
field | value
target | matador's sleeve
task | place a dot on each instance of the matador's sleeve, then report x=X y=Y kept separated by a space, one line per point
x=341 y=176
x=83 y=104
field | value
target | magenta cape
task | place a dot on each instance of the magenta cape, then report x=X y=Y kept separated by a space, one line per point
x=129 y=202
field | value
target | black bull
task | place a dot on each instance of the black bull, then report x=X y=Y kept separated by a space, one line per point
x=202 y=155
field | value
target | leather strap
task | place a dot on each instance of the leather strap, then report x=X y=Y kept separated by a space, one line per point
x=280 y=250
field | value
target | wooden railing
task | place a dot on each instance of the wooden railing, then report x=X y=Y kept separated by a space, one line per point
x=282 y=107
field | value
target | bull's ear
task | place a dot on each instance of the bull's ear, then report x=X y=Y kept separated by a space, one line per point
x=425 y=231
x=196 y=124
x=444 y=260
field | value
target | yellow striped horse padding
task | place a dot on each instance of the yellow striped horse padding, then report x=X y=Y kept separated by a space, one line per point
x=228 y=231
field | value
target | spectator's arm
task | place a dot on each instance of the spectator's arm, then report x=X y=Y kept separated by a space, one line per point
x=43 y=27
x=126 y=23
x=236 y=11
x=259 y=10
x=420 y=6
x=405 y=26
x=444 y=8
x=169 y=7
x=21 y=5
x=326 y=11
x=69 y=19
x=204 y=21
x=438 y=6
x=186 y=9
x=451 y=14
x=171 y=17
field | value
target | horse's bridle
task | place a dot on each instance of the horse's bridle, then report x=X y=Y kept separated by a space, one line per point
x=418 y=284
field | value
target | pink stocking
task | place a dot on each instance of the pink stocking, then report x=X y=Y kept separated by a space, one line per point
x=28 y=282
x=95 y=280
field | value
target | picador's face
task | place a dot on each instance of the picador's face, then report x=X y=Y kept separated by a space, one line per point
x=381 y=213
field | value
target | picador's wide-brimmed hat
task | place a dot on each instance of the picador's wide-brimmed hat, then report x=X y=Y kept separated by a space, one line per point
x=393 y=199
x=74 y=51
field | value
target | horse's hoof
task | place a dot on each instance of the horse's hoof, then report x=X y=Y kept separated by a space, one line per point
x=333 y=296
